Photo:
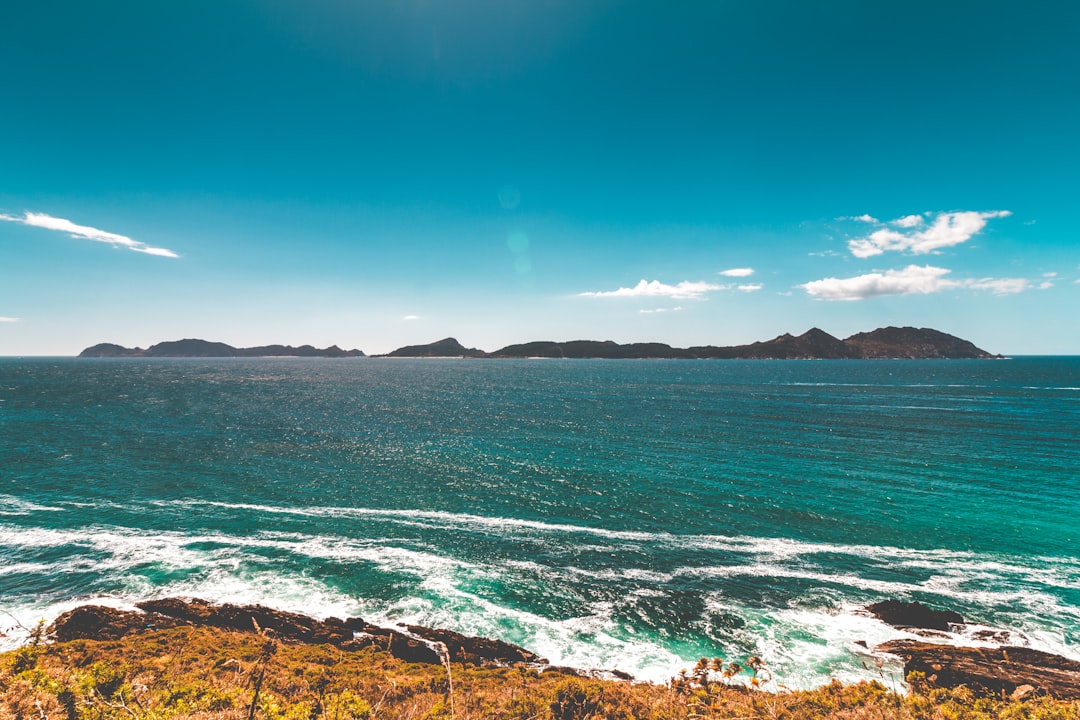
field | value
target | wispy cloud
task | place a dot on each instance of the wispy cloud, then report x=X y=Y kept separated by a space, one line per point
x=660 y=310
x=8 y=319
x=912 y=280
x=908 y=221
x=411 y=317
x=737 y=272
x=999 y=286
x=947 y=230
x=685 y=290
x=749 y=287
x=85 y=232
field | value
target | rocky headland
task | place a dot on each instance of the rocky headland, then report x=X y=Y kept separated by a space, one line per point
x=997 y=670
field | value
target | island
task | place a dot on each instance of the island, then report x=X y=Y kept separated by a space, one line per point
x=814 y=344
x=192 y=348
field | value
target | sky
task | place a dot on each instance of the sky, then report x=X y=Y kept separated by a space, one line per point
x=389 y=172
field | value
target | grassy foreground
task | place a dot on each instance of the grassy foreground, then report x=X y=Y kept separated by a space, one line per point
x=209 y=674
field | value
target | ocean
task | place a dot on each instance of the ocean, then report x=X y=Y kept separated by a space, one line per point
x=630 y=515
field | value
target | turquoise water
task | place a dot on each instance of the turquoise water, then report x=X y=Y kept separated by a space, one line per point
x=622 y=514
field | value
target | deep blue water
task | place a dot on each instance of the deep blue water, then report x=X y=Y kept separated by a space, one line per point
x=626 y=514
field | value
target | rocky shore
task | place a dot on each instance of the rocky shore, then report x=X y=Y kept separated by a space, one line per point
x=412 y=644
x=182 y=659
x=999 y=671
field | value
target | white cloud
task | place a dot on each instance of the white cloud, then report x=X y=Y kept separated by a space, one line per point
x=660 y=310
x=1050 y=274
x=750 y=287
x=86 y=232
x=686 y=290
x=1045 y=285
x=8 y=319
x=737 y=272
x=411 y=317
x=948 y=229
x=911 y=280
x=908 y=221
x=867 y=219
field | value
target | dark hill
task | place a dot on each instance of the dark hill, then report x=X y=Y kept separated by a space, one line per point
x=909 y=342
x=109 y=350
x=303 y=351
x=814 y=344
x=192 y=348
x=585 y=349
x=447 y=347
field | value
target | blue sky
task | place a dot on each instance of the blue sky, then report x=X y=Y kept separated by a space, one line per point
x=375 y=174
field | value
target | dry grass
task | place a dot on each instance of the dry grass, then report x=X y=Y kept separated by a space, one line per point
x=207 y=674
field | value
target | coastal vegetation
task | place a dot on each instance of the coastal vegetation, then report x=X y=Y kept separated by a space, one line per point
x=208 y=673
x=178 y=658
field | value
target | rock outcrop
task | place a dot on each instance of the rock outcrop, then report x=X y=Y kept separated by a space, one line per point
x=990 y=671
x=914 y=615
x=1009 y=670
x=413 y=644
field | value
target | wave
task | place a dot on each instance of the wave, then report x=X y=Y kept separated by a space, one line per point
x=595 y=613
x=11 y=505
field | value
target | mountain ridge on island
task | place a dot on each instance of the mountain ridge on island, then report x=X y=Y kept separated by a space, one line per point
x=815 y=344
x=194 y=348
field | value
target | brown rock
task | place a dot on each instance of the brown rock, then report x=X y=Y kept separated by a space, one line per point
x=417 y=644
x=475 y=650
x=991 y=671
x=246 y=618
x=95 y=622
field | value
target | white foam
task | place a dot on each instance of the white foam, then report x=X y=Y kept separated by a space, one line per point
x=804 y=646
x=11 y=505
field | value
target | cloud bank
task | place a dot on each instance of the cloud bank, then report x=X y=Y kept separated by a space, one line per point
x=912 y=280
x=85 y=232
x=947 y=230
x=684 y=290
x=8 y=319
